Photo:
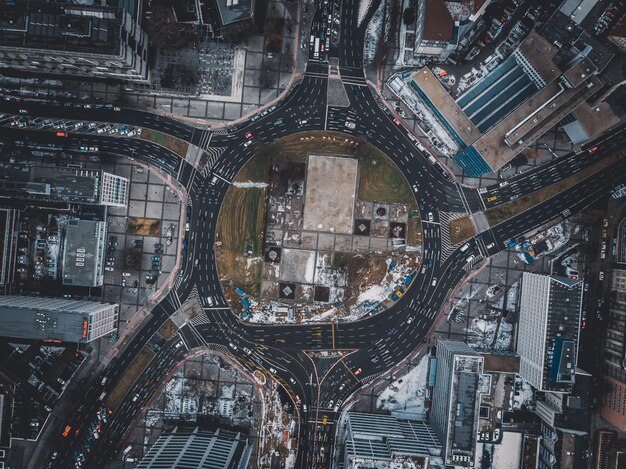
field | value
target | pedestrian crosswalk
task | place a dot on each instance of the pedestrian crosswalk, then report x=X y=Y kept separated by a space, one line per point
x=200 y=319
x=446 y=244
x=213 y=154
x=220 y=132
x=205 y=139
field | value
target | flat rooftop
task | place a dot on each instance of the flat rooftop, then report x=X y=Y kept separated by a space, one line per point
x=330 y=193
x=434 y=91
x=492 y=146
x=39 y=318
x=540 y=53
x=83 y=253
x=63 y=27
x=69 y=185
x=232 y=11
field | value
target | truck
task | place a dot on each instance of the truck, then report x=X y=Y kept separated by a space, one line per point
x=316 y=51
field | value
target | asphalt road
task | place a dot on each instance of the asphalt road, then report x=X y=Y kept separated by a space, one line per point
x=289 y=353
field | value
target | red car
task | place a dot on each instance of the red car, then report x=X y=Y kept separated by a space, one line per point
x=358 y=371
x=249 y=135
x=396 y=121
x=593 y=149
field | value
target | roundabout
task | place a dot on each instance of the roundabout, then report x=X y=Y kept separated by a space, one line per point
x=317 y=227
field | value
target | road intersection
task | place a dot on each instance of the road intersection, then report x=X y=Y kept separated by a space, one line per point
x=370 y=347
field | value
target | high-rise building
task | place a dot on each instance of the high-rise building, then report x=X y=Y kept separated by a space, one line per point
x=58 y=184
x=376 y=440
x=71 y=39
x=548 y=331
x=454 y=414
x=56 y=319
x=198 y=449
x=614 y=352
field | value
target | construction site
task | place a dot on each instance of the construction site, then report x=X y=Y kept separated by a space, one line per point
x=318 y=228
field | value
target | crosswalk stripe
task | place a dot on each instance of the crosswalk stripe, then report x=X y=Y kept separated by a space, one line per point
x=446 y=244
x=214 y=154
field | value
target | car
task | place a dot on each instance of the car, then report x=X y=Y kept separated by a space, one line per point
x=396 y=121
x=186 y=226
x=605 y=222
x=292 y=381
x=233 y=346
x=410 y=319
x=273 y=370
x=156 y=258
x=601 y=276
x=304 y=408
x=434 y=282
x=249 y=135
x=247 y=144
x=247 y=350
x=357 y=371
x=430 y=216
x=125 y=274
x=109 y=269
x=593 y=149
x=343 y=385
x=490 y=245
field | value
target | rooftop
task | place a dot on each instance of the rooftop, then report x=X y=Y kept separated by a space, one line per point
x=41 y=318
x=83 y=253
x=69 y=185
x=438 y=23
x=577 y=10
x=232 y=11
x=434 y=91
x=540 y=54
x=66 y=27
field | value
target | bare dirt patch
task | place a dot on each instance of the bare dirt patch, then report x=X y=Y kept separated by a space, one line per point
x=143 y=226
x=130 y=376
x=461 y=229
x=168 y=329
x=171 y=143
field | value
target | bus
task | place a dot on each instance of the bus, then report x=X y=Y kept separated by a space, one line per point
x=316 y=52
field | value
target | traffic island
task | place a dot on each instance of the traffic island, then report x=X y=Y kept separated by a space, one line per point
x=317 y=227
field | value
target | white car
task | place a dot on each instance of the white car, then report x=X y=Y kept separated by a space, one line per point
x=248 y=143
x=430 y=216
x=273 y=370
x=292 y=381
x=231 y=345
x=247 y=350
x=410 y=319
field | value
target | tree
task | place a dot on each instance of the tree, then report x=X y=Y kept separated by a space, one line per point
x=409 y=16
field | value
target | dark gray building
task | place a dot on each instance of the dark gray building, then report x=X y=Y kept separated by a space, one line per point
x=83 y=253
x=198 y=449
x=378 y=439
x=548 y=331
x=56 y=319
x=72 y=39
x=59 y=184
x=456 y=400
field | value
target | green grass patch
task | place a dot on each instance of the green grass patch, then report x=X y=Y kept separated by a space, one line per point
x=381 y=180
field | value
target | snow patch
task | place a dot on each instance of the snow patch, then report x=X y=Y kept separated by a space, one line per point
x=249 y=184
x=410 y=395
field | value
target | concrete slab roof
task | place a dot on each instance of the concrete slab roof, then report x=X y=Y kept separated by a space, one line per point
x=449 y=109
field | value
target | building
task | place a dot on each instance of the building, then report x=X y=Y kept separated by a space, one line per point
x=454 y=413
x=577 y=10
x=437 y=33
x=618 y=34
x=614 y=354
x=380 y=439
x=548 y=331
x=198 y=449
x=72 y=39
x=61 y=184
x=565 y=425
x=530 y=92
x=8 y=219
x=84 y=252
x=56 y=319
